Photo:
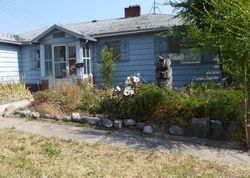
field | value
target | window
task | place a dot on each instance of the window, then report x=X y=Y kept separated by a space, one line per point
x=48 y=60
x=161 y=47
x=120 y=49
x=72 y=60
x=183 y=55
x=35 y=58
x=58 y=35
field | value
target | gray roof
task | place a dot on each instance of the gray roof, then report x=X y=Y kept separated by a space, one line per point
x=10 y=38
x=104 y=28
x=119 y=26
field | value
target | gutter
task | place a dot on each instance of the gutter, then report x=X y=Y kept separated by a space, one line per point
x=11 y=42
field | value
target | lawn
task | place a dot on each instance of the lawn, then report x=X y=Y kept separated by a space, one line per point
x=27 y=155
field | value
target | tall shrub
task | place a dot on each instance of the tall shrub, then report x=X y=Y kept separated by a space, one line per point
x=108 y=65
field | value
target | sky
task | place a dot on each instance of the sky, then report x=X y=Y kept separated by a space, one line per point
x=18 y=16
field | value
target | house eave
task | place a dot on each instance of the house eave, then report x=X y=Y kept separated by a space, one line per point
x=77 y=35
x=11 y=42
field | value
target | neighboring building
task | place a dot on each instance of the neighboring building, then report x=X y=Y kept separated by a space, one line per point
x=73 y=51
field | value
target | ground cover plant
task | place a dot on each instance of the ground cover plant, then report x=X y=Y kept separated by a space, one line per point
x=13 y=91
x=37 y=156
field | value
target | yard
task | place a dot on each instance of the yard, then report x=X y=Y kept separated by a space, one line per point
x=26 y=155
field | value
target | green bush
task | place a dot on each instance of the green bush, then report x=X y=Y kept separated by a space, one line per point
x=226 y=104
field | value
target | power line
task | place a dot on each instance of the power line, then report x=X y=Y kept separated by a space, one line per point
x=25 y=10
x=17 y=11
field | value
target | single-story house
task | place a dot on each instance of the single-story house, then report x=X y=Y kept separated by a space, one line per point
x=72 y=51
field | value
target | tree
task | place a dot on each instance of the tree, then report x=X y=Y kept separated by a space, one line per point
x=224 y=26
x=108 y=65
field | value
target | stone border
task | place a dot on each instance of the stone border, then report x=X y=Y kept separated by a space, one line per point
x=16 y=104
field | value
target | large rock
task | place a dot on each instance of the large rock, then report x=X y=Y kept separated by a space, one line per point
x=92 y=120
x=35 y=115
x=129 y=122
x=217 y=130
x=199 y=127
x=8 y=111
x=24 y=113
x=107 y=123
x=148 y=129
x=118 y=124
x=140 y=125
x=176 y=130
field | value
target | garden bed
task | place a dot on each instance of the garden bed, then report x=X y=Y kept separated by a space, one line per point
x=215 y=111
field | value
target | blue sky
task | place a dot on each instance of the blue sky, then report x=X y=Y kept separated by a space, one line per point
x=17 y=16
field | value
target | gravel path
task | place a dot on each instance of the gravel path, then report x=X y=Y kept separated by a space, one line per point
x=125 y=138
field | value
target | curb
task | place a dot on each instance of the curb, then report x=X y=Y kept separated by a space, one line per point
x=16 y=104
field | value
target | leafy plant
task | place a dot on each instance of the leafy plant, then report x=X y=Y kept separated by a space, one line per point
x=108 y=65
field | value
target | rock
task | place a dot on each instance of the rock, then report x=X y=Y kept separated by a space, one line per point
x=232 y=129
x=47 y=116
x=199 y=127
x=217 y=131
x=92 y=120
x=58 y=117
x=118 y=124
x=140 y=125
x=148 y=130
x=35 y=115
x=129 y=122
x=8 y=111
x=24 y=113
x=176 y=130
x=76 y=117
x=107 y=123
x=66 y=118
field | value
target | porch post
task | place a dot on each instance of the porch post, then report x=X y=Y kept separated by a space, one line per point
x=79 y=59
x=44 y=80
x=42 y=61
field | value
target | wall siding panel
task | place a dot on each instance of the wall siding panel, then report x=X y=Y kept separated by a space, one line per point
x=30 y=76
x=9 y=63
x=142 y=60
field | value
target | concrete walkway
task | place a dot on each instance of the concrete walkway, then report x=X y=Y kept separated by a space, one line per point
x=127 y=138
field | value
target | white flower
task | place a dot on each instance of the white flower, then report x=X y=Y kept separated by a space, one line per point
x=132 y=92
x=128 y=82
x=128 y=78
x=126 y=92
x=118 y=88
x=136 y=79
x=127 y=88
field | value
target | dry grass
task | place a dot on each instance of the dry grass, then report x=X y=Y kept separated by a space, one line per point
x=26 y=155
x=13 y=91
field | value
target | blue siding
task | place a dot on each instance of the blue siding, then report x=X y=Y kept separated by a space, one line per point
x=9 y=63
x=142 y=60
x=30 y=76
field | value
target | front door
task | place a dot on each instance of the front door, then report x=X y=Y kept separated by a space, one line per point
x=60 y=63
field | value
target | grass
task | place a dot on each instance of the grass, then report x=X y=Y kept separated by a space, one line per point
x=27 y=155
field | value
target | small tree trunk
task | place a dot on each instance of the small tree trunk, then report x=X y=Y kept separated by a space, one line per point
x=247 y=114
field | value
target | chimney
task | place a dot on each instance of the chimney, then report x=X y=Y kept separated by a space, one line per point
x=133 y=11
